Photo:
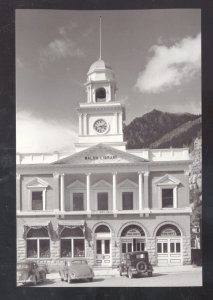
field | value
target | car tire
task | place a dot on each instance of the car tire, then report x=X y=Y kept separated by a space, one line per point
x=141 y=266
x=121 y=273
x=129 y=274
x=149 y=274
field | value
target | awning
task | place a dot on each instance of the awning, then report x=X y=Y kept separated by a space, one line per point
x=71 y=224
x=37 y=225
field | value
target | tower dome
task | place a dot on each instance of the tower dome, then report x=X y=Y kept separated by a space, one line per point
x=99 y=65
x=100 y=70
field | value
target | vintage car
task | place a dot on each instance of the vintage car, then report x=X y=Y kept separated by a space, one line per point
x=76 y=268
x=136 y=263
x=30 y=272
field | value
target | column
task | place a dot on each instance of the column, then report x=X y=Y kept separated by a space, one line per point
x=56 y=194
x=114 y=191
x=175 y=197
x=44 y=199
x=62 y=192
x=80 y=124
x=120 y=123
x=146 y=190
x=88 y=191
x=18 y=191
x=85 y=124
x=140 y=190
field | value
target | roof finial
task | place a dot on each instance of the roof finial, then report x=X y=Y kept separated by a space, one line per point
x=100 y=38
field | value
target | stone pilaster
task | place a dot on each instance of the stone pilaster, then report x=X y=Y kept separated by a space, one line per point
x=150 y=246
x=186 y=250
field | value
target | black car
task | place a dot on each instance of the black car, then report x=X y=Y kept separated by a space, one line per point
x=136 y=263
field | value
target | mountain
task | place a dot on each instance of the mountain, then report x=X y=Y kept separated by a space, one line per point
x=158 y=129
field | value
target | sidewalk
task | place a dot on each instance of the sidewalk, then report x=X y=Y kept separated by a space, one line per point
x=115 y=272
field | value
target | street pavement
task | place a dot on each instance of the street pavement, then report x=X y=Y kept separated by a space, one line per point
x=188 y=276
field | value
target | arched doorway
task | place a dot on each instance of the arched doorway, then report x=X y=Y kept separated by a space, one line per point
x=132 y=239
x=103 y=252
x=169 y=245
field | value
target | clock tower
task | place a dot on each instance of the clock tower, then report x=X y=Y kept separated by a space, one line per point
x=101 y=117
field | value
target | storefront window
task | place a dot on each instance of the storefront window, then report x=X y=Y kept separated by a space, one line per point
x=72 y=243
x=38 y=245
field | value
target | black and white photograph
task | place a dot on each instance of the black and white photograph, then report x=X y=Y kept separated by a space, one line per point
x=108 y=148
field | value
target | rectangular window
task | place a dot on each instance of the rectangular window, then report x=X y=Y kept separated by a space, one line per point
x=129 y=245
x=102 y=201
x=32 y=251
x=42 y=244
x=66 y=248
x=167 y=198
x=123 y=247
x=172 y=247
x=107 y=250
x=44 y=248
x=159 y=248
x=37 y=200
x=127 y=200
x=177 y=247
x=79 y=248
x=165 y=248
x=78 y=201
x=98 y=246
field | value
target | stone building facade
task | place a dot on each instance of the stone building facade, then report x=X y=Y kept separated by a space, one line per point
x=103 y=200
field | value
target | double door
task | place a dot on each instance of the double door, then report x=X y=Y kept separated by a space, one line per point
x=131 y=244
x=169 y=251
x=103 y=252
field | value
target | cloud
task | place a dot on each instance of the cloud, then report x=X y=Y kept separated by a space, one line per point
x=38 y=135
x=170 y=66
x=61 y=47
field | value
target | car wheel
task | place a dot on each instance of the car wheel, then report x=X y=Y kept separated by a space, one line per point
x=129 y=274
x=149 y=274
x=121 y=272
x=141 y=266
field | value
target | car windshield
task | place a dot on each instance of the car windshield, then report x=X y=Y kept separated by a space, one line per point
x=22 y=266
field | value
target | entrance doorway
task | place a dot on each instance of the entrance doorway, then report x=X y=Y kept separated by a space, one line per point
x=102 y=246
x=132 y=239
x=169 y=246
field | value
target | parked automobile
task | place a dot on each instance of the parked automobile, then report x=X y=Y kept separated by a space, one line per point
x=30 y=272
x=76 y=268
x=136 y=263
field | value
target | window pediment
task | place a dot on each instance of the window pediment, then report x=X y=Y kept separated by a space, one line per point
x=167 y=180
x=37 y=182
x=127 y=183
x=77 y=184
x=101 y=184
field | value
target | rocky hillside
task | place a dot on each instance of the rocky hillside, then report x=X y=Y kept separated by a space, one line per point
x=145 y=131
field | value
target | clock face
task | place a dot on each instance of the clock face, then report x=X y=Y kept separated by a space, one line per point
x=100 y=126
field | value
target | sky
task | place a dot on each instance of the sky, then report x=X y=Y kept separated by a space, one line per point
x=155 y=55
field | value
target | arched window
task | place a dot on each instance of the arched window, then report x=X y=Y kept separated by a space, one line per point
x=72 y=242
x=102 y=228
x=38 y=243
x=100 y=95
x=133 y=230
x=168 y=230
